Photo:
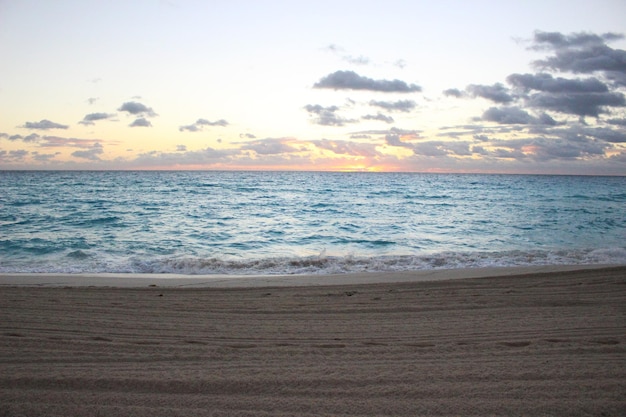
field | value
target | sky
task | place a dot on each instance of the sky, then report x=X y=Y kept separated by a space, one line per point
x=396 y=85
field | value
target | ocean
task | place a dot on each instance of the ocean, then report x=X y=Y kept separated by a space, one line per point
x=266 y=223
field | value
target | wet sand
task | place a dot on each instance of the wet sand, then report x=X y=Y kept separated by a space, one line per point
x=532 y=342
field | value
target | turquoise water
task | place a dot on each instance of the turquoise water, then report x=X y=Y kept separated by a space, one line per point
x=292 y=223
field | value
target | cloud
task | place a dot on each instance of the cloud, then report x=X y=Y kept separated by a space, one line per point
x=379 y=116
x=44 y=157
x=587 y=104
x=33 y=137
x=200 y=123
x=356 y=60
x=58 y=142
x=515 y=115
x=141 y=122
x=90 y=118
x=270 y=146
x=453 y=92
x=497 y=93
x=582 y=53
x=247 y=136
x=43 y=125
x=137 y=109
x=350 y=80
x=92 y=100
x=13 y=156
x=345 y=147
x=545 y=82
x=326 y=116
x=91 y=154
x=400 y=105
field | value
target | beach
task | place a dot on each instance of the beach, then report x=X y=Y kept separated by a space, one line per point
x=533 y=341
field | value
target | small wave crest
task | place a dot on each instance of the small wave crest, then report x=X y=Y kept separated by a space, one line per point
x=79 y=261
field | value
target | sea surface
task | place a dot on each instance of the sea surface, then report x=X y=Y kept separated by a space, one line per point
x=304 y=222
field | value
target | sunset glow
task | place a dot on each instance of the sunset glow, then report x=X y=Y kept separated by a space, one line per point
x=258 y=86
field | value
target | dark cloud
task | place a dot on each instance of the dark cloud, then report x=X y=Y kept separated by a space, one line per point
x=13 y=156
x=350 y=80
x=587 y=104
x=400 y=105
x=326 y=116
x=555 y=40
x=619 y=122
x=91 y=154
x=453 y=92
x=33 y=137
x=379 y=116
x=545 y=82
x=90 y=118
x=394 y=139
x=56 y=141
x=137 y=109
x=515 y=115
x=582 y=53
x=43 y=125
x=141 y=122
x=200 y=123
x=497 y=93
x=44 y=157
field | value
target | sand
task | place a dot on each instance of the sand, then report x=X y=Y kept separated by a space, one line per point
x=519 y=342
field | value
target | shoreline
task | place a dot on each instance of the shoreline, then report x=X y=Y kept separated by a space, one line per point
x=126 y=280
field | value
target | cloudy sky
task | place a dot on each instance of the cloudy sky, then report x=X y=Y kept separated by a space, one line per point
x=396 y=85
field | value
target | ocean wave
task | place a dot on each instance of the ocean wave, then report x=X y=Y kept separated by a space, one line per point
x=86 y=261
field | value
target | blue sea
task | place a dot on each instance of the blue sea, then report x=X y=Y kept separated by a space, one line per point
x=304 y=222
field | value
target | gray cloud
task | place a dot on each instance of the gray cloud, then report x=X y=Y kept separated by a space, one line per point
x=587 y=104
x=90 y=118
x=453 y=92
x=344 y=147
x=326 y=116
x=91 y=154
x=33 y=137
x=582 y=53
x=137 y=109
x=43 y=125
x=350 y=80
x=545 y=82
x=13 y=156
x=141 y=122
x=515 y=115
x=379 y=116
x=270 y=146
x=400 y=105
x=247 y=136
x=497 y=93
x=200 y=123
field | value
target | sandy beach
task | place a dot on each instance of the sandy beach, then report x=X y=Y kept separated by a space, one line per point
x=543 y=341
